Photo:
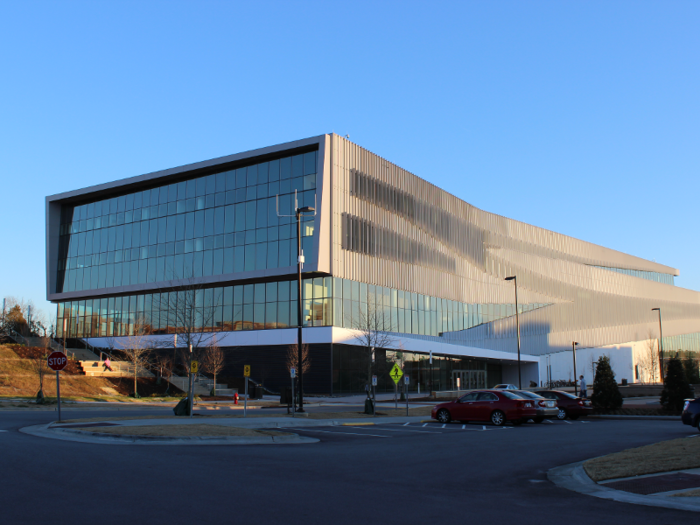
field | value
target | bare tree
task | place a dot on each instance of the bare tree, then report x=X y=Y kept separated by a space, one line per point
x=213 y=361
x=293 y=358
x=165 y=367
x=40 y=367
x=649 y=358
x=373 y=327
x=137 y=347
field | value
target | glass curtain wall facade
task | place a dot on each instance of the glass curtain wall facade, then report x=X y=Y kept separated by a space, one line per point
x=212 y=225
x=327 y=302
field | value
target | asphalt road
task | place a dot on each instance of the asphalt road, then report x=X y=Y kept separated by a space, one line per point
x=382 y=474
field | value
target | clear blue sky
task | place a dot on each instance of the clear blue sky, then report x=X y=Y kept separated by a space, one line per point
x=579 y=117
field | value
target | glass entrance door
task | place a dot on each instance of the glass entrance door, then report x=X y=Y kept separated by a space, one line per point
x=468 y=379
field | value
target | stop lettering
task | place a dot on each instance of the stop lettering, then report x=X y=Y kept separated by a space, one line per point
x=57 y=361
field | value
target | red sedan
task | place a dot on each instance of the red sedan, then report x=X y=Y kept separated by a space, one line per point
x=496 y=406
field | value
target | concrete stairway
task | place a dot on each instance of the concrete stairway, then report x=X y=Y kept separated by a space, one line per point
x=202 y=386
x=93 y=368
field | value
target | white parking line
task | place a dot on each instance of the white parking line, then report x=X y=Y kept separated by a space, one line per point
x=405 y=424
x=568 y=422
x=483 y=427
x=3 y=430
x=424 y=424
x=463 y=426
x=584 y=422
x=331 y=432
x=443 y=426
x=399 y=430
x=547 y=421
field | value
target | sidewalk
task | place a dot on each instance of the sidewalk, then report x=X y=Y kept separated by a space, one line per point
x=654 y=490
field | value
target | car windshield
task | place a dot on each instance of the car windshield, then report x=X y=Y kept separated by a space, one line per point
x=511 y=395
x=529 y=395
x=570 y=396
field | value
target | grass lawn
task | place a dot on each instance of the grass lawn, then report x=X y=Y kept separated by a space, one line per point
x=677 y=454
x=184 y=431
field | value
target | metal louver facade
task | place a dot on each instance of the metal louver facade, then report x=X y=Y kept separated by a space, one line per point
x=391 y=228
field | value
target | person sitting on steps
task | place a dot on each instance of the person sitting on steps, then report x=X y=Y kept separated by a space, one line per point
x=107 y=365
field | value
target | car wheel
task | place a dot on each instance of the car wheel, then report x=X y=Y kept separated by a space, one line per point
x=573 y=417
x=561 y=415
x=538 y=419
x=443 y=416
x=498 y=418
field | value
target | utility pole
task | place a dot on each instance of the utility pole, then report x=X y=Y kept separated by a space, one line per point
x=517 y=324
x=573 y=347
x=661 y=345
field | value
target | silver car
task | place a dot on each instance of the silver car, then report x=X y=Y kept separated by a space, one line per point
x=546 y=408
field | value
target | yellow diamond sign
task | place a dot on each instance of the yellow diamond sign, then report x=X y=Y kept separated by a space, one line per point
x=396 y=373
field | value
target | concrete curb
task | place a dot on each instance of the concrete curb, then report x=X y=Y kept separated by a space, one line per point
x=573 y=477
x=51 y=431
x=83 y=436
x=657 y=418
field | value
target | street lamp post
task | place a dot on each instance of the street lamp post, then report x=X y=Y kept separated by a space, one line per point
x=573 y=347
x=661 y=344
x=298 y=213
x=300 y=262
x=517 y=324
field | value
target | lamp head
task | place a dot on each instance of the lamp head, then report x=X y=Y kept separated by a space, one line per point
x=306 y=209
x=575 y=343
x=656 y=309
x=510 y=278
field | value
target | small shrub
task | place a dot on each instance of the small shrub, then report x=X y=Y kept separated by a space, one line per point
x=676 y=388
x=606 y=394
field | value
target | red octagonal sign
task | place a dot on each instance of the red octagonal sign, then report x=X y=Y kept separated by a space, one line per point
x=57 y=361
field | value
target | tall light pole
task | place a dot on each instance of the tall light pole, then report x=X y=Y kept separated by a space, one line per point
x=517 y=324
x=661 y=344
x=300 y=262
x=573 y=347
x=298 y=213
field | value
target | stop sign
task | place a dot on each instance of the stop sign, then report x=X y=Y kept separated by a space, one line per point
x=57 y=361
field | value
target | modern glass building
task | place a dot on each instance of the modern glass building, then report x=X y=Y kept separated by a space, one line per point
x=383 y=244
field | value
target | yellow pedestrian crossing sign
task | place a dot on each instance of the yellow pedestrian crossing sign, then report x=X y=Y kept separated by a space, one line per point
x=396 y=373
x=195 y=367
x=246 y=371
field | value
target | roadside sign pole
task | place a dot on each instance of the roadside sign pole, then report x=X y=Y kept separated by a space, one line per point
x=293 y=373
x=191 y=385
x=245 y=402
x=374 y=396
x=396 y=395
x=405 y=383
x=58 y=394
x=57 y=361
x=246 y=375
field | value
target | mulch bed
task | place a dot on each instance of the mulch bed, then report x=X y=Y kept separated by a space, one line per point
x=656 y=484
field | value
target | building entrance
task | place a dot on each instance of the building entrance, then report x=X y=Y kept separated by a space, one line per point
x=468 y=379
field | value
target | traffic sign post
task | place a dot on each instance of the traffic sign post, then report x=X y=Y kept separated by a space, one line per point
x=246 y=375
x=374 y=396
x=57 y=361
x=293 y=373
x=406 y=380
x=396 y=374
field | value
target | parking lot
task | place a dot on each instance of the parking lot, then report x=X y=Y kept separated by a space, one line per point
x=362 y=431
x=388 y=473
